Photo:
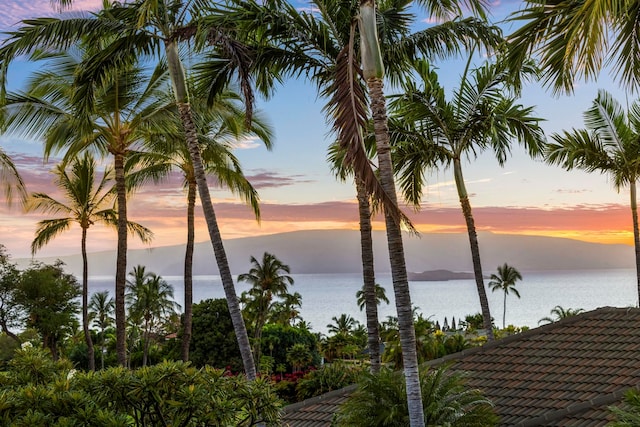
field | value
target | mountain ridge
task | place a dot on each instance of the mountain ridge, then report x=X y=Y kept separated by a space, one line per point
x=338 y=251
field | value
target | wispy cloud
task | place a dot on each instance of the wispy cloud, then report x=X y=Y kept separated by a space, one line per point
x=265 y=179
x=13 y=11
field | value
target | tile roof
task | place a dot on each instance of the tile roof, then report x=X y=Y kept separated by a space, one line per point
x=562 y=374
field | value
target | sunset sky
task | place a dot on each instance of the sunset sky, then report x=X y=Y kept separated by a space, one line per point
x=299 y=192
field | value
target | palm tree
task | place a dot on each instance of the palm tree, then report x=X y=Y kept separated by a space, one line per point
x=482 y=114
x=373 y=71
x=610 y=144
x=150 y=299
x=323 y=47
x=125 y=33
x=380 y=296
x=573 y=40
x=269 y=279
x=101 y=308
x=342 y=325
x=380 y=401
x=559 y=313
x=86 y=202
x=505 y=281
x=219 y=126
x=127 y=112
x=369 y=296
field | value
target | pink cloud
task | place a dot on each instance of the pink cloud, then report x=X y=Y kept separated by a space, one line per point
x=13 y=11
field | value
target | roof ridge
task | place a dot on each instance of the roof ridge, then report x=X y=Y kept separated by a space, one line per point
x=523 y=335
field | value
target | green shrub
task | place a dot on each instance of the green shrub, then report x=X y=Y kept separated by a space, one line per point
x=38 y=391
x=332 y=376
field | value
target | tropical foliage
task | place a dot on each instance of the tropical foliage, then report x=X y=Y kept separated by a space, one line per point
x=150 y=301
x=270 y=283
x=40 y=391
x=380 y=400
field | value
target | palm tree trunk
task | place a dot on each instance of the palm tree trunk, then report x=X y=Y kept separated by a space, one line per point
x=504 y=310
x=373 y=72
x=368 y=276
x=121 y=262
x=475 y=248
x=145 y=343
x=636 y=233
x=102 y=348
x=180 y=91
x=396 y=257
x=85 y=302
x=188 y=271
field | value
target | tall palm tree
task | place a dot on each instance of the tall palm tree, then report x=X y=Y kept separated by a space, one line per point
x=150 y=299
x=219 y=127
x=505 y=281
x=125 y=33
x=609 y=144
x=369 y=293
x=127 y=112
x=575 y=40
x=86 y=200
x=323 y=46
x=101 y=308
x=482 y=114
x=269 y=279
x=373 y=73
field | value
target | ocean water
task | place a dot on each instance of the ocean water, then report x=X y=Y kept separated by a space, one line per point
x=327 y=295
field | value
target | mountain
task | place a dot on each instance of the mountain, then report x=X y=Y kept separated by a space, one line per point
x=338 y=251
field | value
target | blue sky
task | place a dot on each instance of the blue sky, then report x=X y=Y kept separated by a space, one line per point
x=299 y=192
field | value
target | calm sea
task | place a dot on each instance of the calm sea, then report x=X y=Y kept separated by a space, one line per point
x=327 y=295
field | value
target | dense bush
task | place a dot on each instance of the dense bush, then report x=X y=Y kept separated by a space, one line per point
x=213 y=340
x=38 y=391
x=277 y=341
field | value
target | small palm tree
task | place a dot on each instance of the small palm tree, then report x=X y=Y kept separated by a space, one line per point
x=101 y=309
x=610 y=144
x=559 y=313
x=344 y=324
x=380 y=400
x=150 y=299
x=269 y=279
x=87 y=201
x=380 y=296
x=505 y=281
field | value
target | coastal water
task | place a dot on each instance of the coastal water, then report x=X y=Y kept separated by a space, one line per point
x=327 y=295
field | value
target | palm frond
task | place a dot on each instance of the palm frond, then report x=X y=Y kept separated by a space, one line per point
x=47 y=230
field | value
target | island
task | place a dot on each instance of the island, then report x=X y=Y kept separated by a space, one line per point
x=438 y=276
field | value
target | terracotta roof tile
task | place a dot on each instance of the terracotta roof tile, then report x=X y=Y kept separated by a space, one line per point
x=562 y=374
